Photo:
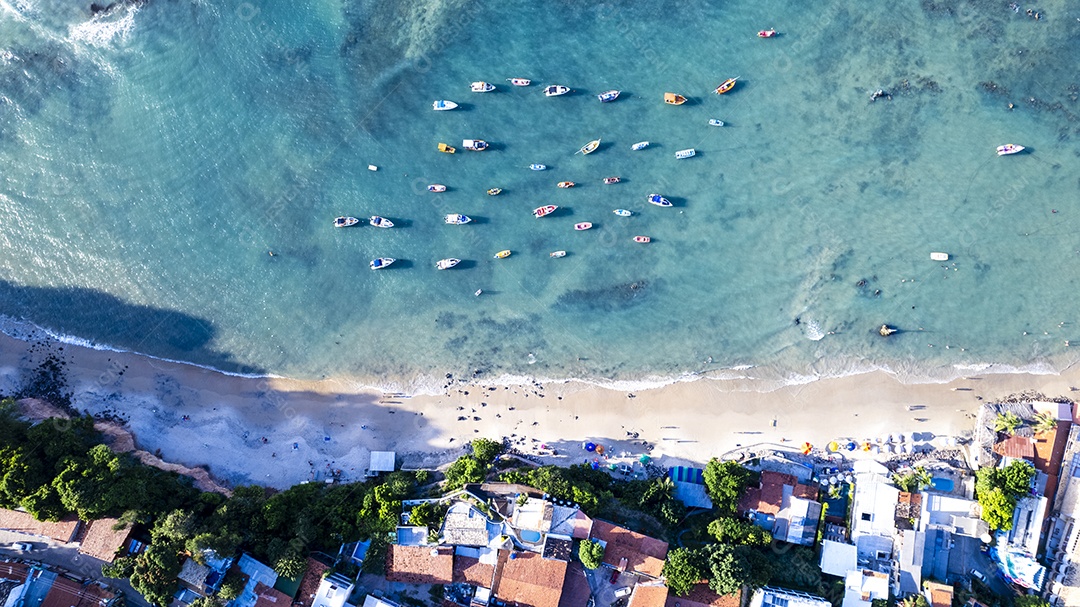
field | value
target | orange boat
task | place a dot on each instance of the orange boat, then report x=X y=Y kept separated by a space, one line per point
x=674 y=99
x=726 y=86
x=566 y=184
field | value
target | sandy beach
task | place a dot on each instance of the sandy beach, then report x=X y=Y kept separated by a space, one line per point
x=279 y=432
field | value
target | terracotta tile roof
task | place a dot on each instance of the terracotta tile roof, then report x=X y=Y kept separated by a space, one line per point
x=15 y=572
x=309 y=584
x=575 y=591
x=1049 y=452
x=267 y=596
x=101 y=541
x=768 y=498
x=529 y=580
x=702 y=596
x=1019 y=447
x=941 y=595
x=417 y=564
x=643 y=554
x=22 y=522
x=67 y=593
x=649 y=595
x=469 y=570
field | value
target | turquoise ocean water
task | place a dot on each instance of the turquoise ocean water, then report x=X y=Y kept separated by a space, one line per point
x=153 y=154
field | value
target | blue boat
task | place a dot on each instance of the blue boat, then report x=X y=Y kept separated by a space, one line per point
x=622 y=212
x=607 y=96
x=659 y=200
x=538 y=167
x=381 y=262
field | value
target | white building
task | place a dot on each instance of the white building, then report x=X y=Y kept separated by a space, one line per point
x=334 y=591
x=781 y=597
x=863 y=586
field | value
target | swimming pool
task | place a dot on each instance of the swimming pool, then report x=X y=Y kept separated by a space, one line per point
x=945 y=485
x=533 y=537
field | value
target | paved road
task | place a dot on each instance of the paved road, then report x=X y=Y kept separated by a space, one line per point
x=67 y=557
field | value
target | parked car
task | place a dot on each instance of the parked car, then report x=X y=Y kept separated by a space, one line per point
x=978 y=574
x=621 y=592
x=615 y=576
x=23 y=546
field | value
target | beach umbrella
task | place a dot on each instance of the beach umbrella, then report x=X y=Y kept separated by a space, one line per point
x=600 y=449
x=851 y=446
x=807 y=448
x=833 y=480
x=590 y=447
x=866 y=446
x=834 y=446
x=644 y=459
x=849 y=478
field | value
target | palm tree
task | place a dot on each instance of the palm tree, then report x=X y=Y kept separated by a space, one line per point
x=1007 y=422
x=923 y=478
x=1045 y=422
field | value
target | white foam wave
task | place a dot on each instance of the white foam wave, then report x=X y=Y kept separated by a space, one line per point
x=103 y=28
x=812 y=330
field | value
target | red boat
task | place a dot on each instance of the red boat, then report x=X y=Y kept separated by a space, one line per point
x=766 y=33
x=544 y=210
x=642 y=239
x=611 y=180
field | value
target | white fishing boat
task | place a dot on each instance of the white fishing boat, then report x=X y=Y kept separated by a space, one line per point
x=611 y=180
x=436 y=187
x=590 y=147
x=544 y=210
x=442 y=105
x=475 y=145
x=581 y=227
x=557 y=254
x=641 y=145
x=344 y=222
x=1009 y=148
x=623 y=212
x=457 y=219
x=538 y=167
x=481 y=87
x=681 y=154
x=446 y=264
x=555 y=90
x=715 y=122
x=520 y=81
x=642 y=239
x=939 y=256
x=608 y=96
x=659 y=200
x=380 y=263
x=380 y=222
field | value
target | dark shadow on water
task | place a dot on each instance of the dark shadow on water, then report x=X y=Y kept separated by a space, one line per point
x=465 y=264
x=462 y=107
x=401 y=223
x=495 y=146
x=478 y=220
x=106 y=319
x=399 y=264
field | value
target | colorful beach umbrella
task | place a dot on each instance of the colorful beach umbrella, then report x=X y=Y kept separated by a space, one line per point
x=644 y=459
x=851 y=446
x=590 y=447
x=834 y=446
x=600 y=449
x=807 y=448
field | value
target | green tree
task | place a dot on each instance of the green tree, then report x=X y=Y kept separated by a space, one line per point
x=1007 y=422
x=486 y=450
x=1016 y=478
x=231 y=586
x=917 y=600
x=997 y=509
x=725 y=483
x=1030 y=600
x=732 y=568
x=682 y=569
x=914 y=480
x=154 y=573
x=290 y=566
x=591 y=554
x=466 y=469
x=207 y=601
x=734 y=531
x=1044 y=422
x=120 y=568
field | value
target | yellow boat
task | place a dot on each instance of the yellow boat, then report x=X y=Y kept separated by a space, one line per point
x=726 y=86
x=674 y=99
x=502 y=254
x=448 y=149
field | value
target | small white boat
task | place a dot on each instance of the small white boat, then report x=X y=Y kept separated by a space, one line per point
x=557 y=254
x=381 y=263
x=688 y=153
x=457 y=220
x=538 y=167
x=481 y=87
x=479 y=292
x=659 y=200
x=607 y=96
x=1009 y=148
x=446 y=264
x=436 y=187
x=622 y=212
x=715 y=122
x=520 y=81
x=380 y=222
x=611 y=180
x=555 y=90
x=544 y=210
x=443 y=105
x=939 y=256
x=344 y=222
x=641 y=145
x=475 y=145
x=590 y=147
x=581 y=227
x=642 y=239
x=372 y=167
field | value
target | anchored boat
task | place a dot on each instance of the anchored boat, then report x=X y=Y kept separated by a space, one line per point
x=687 y=153
x=481 y=87
x=520 y=81
x=538 y=167
x=726 y=86
x=674 y=99
x=611 y=180
x=581 y=227
x=715 y=122
x=590 y=147
x=1009 y=148
x=380 y=263
x=544 y=210
x=446 y=264
x=457 y=219
x=642 y=239
x=566 y=184
x=344 y=222
x=446 y=149
x=622 y=212
x=442 y=105
x=555 y=90
x=607 y=96
x=659 y=200
x=494 y=191
x=503 y=254
x=474 y=145
x=380 y=222
x=641 y=145
x=436 y=187
x=557 y=254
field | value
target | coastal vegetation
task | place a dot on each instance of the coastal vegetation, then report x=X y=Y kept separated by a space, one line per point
x=999 y=489
x=591 y=554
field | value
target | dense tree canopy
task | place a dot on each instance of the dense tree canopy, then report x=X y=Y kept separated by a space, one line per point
x=998 y=490
x=725 y=483
x=682 y=569
x=591 y=554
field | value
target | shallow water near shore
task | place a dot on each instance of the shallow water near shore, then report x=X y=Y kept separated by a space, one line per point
x=155 y=154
